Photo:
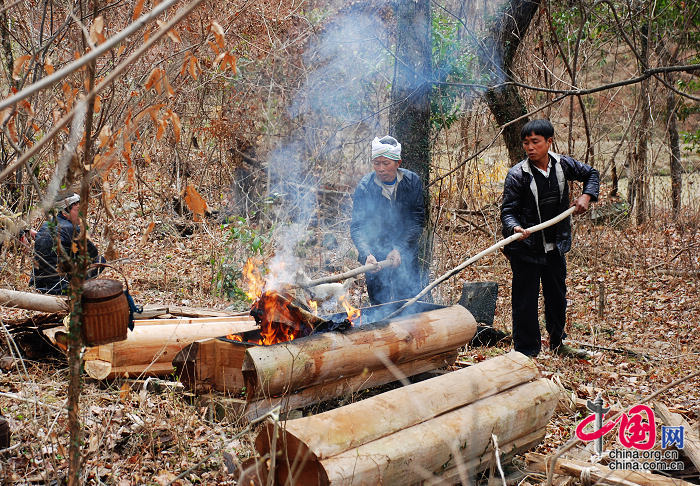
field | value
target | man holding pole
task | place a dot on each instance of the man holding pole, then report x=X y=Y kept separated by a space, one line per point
x=536 y=190
x=387 y=220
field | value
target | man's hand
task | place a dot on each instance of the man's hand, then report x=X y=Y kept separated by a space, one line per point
x=394 y=258
x=520 y=229
x=582 y=203
x=371 y=261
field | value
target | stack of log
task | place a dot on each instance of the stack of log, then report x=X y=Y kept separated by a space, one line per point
x=324 y=366
x=149 y=349
x=439 y=429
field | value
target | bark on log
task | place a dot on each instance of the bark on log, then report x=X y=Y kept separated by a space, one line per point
x=691 y=445
x=320 y=358
x=600 y=474
x=31 y=301
x=348 y=385
x=152 y=345
x=406 y=456
x=327 y=434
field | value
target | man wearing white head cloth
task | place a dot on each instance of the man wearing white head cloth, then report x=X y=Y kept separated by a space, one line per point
x=62 y=229
x=387 y=220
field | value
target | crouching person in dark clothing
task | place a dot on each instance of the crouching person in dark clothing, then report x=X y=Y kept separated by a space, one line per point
x=536 y=190
x=46 y=276
x=387 y=220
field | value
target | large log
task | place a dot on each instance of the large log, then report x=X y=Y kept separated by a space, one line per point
x=430 y=447
x=462 y=473
x=31 y=301
x=327 y=434
x=349 y=385
x=152 y=345
x=240 y=409
x=279 y=369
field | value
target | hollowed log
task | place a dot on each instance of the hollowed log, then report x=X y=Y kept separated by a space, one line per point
x=270 y=371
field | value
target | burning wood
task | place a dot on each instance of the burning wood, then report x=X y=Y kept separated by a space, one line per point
x=281 y=319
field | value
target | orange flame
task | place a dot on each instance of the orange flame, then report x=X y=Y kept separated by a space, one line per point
x=235 y=337
x=253 y=278
x=353 y=313
x=314 y=307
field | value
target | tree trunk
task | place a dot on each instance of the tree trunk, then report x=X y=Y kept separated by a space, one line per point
x=320 y=358
x=349 y=385
x=410 y=104
x=675 y=162
x=639 y=180
x=151 y=346
x=501 y=45
x=410 y=91
x=328 y=434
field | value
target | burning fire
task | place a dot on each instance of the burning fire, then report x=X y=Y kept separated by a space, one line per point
x=253 y=278
x=279 y=319
x=353 y=313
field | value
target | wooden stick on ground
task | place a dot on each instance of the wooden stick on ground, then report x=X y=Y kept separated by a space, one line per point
x=600 y=474
x=691 y=446
x=346 y=275
x=488 y=251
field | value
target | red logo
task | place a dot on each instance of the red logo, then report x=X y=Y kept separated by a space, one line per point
x=637 y=428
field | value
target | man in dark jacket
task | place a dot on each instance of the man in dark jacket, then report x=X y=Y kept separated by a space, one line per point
x=65 y=228
x=536 y=190
x=387 y=220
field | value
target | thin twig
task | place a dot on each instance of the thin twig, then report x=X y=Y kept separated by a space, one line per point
x=102 y=85
x=87 y=58
x=497 y=456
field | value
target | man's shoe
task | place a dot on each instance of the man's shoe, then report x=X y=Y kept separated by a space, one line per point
x=569 y=352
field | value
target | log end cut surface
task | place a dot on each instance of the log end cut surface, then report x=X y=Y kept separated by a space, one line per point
x=294 y=462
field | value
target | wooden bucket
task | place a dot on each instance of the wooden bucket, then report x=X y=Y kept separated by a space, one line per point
x=105 y=312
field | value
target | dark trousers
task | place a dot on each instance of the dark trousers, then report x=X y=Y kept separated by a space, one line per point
x=393 y=284
x=526 y=289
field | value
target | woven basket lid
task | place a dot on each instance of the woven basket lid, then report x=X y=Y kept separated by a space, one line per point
x=102 y=288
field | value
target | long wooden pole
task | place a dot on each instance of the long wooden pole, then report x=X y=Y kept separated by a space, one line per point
x=370 y=267
x=488 y=251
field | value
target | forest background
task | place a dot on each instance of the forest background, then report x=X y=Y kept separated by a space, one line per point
x=202 y=134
